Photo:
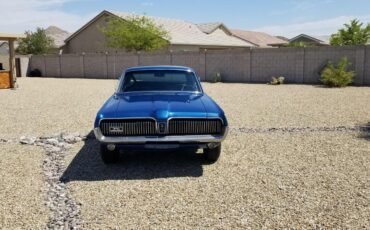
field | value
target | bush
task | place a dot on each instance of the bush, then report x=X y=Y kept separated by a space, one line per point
x=216 y=78
x=337 y=76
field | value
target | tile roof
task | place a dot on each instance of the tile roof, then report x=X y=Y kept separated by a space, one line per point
x=187 y=33
x=324 y=40
x=258 y=38
x=209 y=27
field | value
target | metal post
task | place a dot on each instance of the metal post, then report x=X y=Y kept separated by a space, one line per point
x=11 y=63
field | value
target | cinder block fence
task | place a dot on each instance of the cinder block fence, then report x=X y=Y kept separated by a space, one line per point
x=297 y=65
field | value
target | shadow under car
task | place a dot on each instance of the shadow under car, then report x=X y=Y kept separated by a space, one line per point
x=87 y=165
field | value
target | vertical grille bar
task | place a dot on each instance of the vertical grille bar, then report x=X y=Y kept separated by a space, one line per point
x=134 y=127
x=194 y=126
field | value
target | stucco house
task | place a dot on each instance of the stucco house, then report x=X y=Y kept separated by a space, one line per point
x=184 y=35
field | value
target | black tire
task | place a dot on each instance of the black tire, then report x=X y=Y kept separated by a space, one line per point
x=108 y=157
x=212 y=155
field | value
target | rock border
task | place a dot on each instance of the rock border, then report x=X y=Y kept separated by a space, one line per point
x=297 y=129
x=64 y=210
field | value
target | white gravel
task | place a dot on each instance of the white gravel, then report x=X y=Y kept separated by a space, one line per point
x=279 y=180
x=21 y=187
x=45 y=106
x=294 y=159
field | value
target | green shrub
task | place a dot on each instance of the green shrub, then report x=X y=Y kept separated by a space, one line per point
x=337 y=76
x=217 y=78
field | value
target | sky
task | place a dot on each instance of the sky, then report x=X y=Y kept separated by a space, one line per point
x=277 y=17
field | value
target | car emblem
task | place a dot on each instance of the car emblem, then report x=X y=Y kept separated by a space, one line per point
x=162 y=127
x=116 y=129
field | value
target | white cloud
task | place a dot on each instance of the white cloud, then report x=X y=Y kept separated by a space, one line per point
x=22 y=15
x=320 y=27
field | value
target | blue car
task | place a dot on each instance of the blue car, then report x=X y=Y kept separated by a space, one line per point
x=160 y=108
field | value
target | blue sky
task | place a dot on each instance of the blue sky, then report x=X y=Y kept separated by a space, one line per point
x=287 y=18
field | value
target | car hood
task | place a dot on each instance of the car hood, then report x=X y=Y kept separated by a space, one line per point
x=160 y=106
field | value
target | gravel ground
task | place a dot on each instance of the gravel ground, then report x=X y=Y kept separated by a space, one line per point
x=264 y=106
x=44 y=106
x=298 y=180
x=294 y=158
x=21 y=188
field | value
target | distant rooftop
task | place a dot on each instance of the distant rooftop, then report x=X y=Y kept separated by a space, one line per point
x=209 y=27
x=260 y=39
x=322 y=40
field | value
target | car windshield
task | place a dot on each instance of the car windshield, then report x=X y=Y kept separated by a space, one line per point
x=160 y=80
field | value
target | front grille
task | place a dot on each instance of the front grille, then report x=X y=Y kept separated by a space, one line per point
x=194 y=126
x=131 y=127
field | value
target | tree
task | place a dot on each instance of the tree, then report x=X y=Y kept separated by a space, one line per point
x=137 y=33
x=36 y=43
x=352 y=34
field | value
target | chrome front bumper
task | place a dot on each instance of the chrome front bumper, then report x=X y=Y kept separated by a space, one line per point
x=160 y=139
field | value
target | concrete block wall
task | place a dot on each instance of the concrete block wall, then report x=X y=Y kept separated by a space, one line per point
x=118 y=63
x=267 y=63
x=52 y=65
x=95 y=66
x=71 y=66
x=234 y=66
x=297 y=65
x=146 y=59
x=316 y=59
x=367 y=66
x=192 y=59
x=38 y=62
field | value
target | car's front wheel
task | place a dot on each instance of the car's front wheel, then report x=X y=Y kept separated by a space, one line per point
x=212 y=155
x=109 y=156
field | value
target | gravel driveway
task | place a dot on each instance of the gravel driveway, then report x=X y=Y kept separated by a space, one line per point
x=293 y=158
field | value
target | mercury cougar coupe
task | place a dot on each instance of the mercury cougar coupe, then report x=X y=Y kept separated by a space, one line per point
x=160 y=108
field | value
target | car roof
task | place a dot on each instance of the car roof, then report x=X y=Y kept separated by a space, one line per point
x=160 y=67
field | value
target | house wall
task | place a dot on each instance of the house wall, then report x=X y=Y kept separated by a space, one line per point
x=178 y=48
x=90 y=40
x=297 y=65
